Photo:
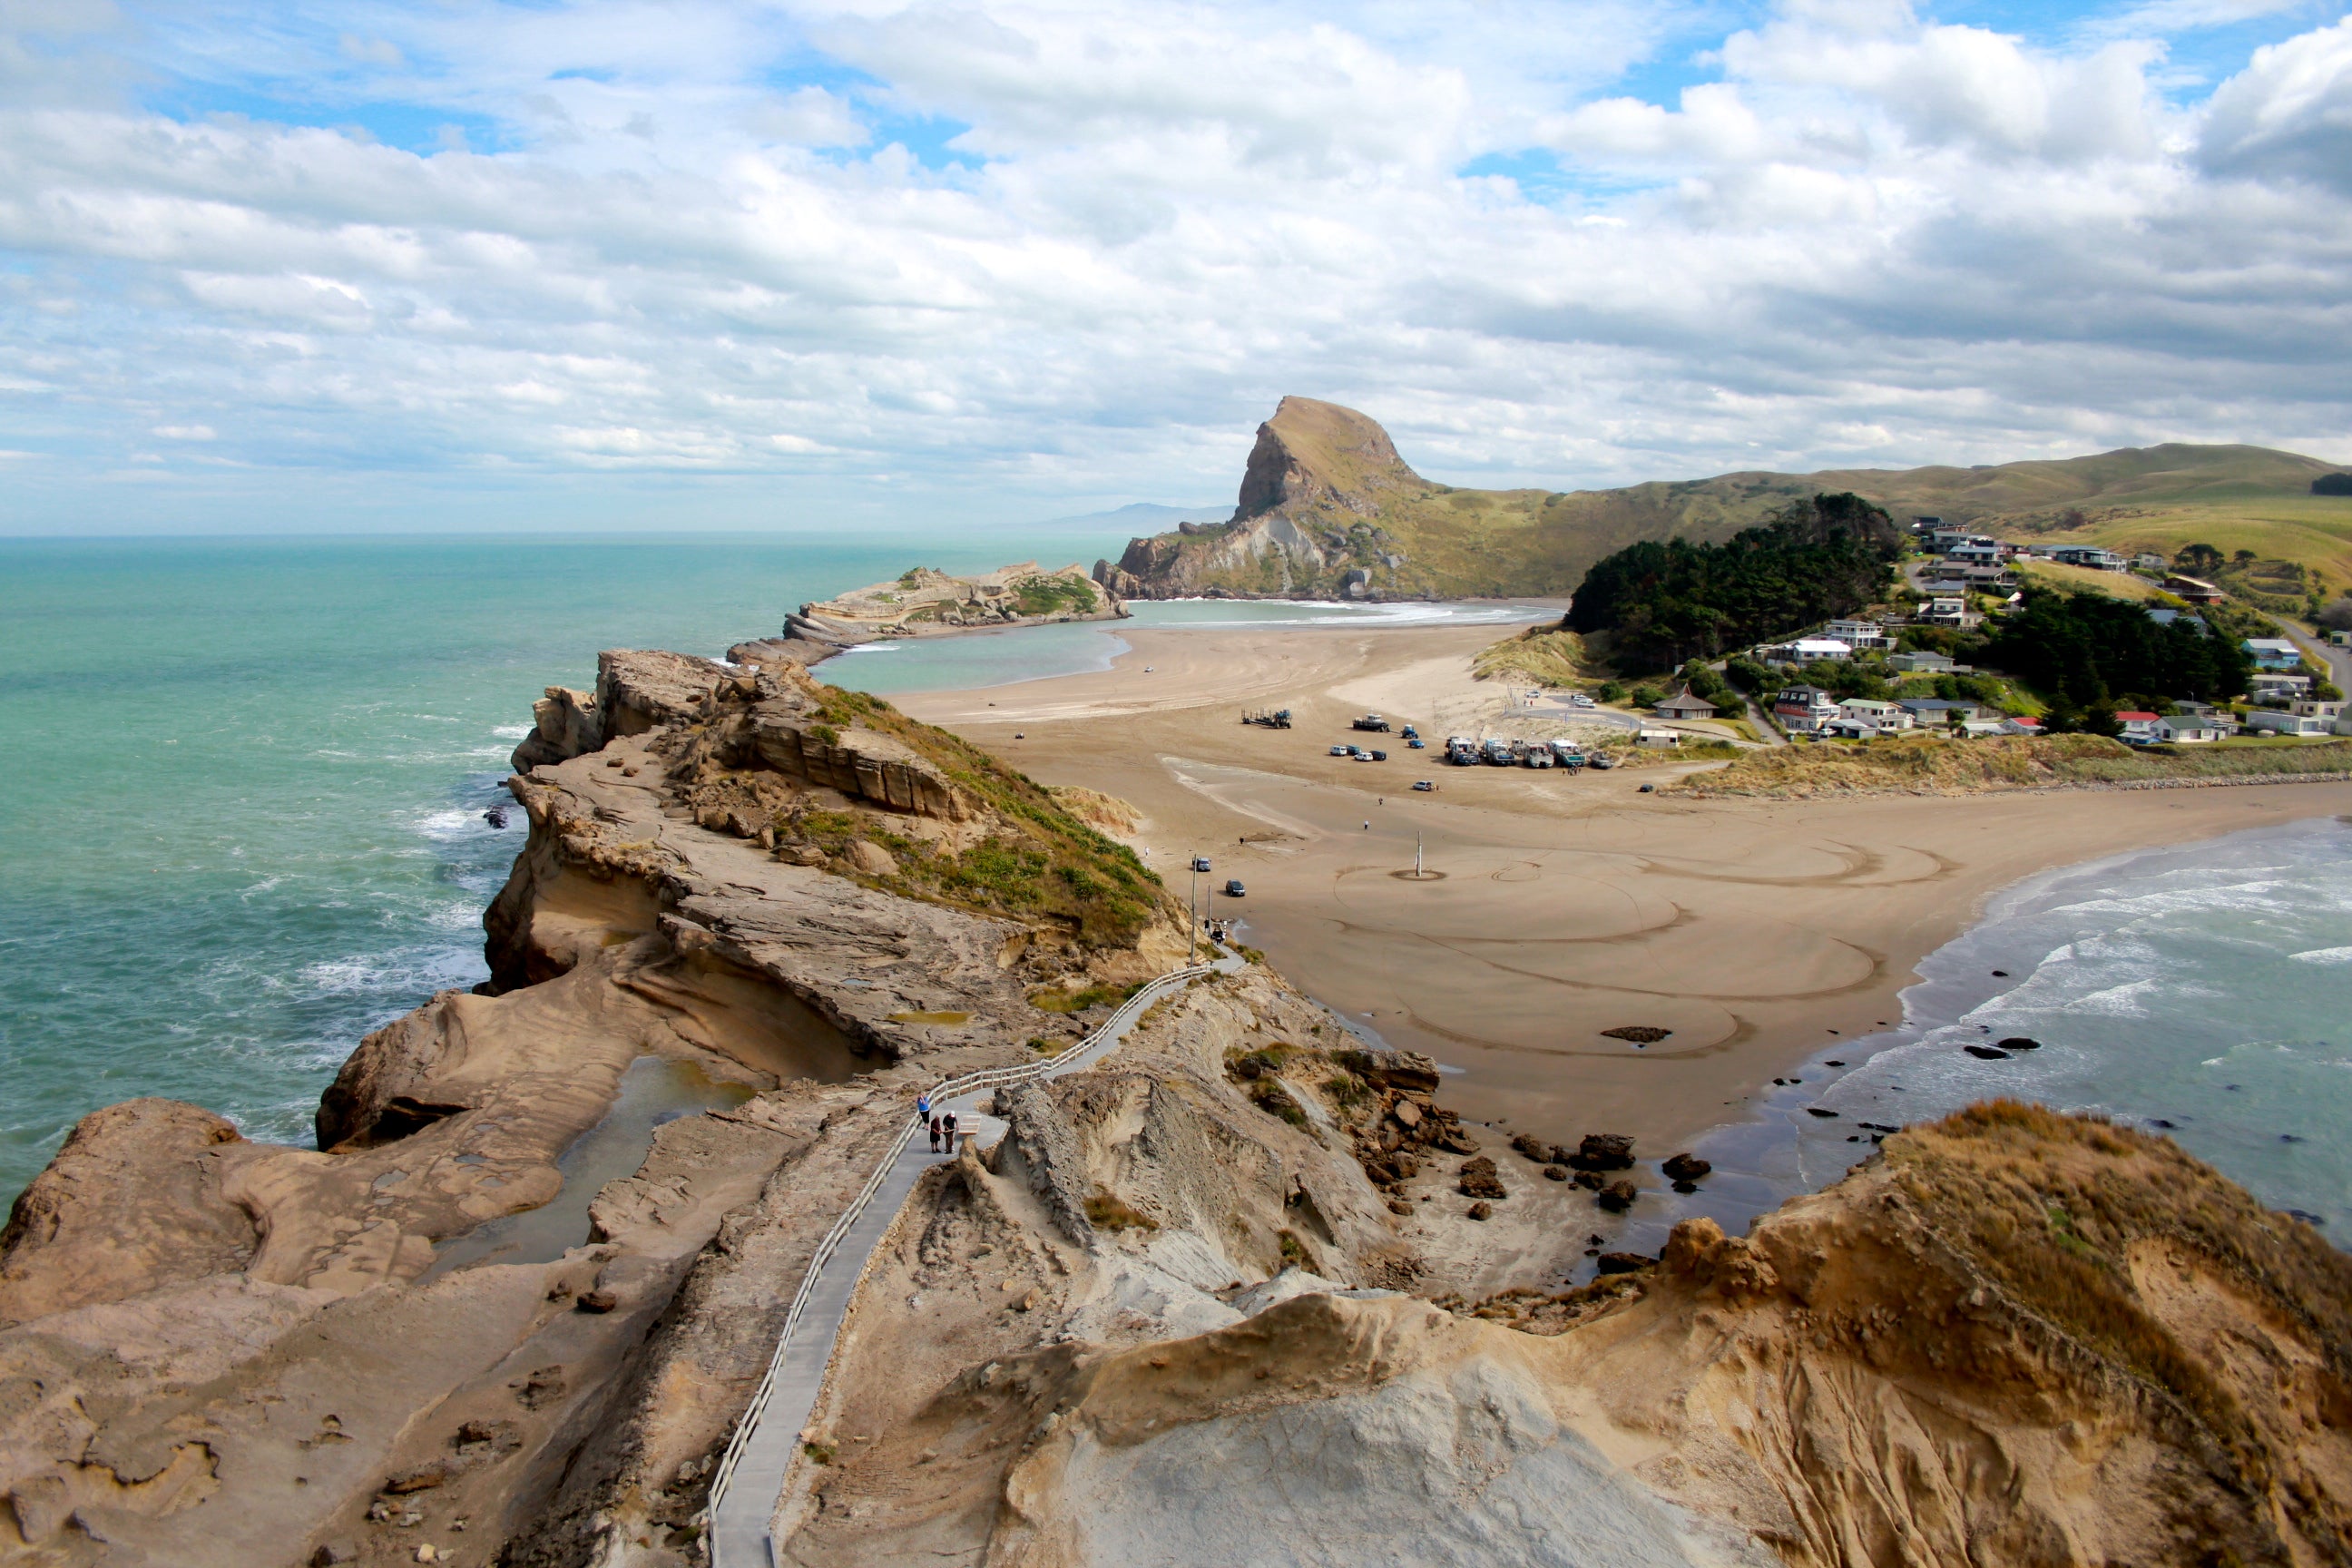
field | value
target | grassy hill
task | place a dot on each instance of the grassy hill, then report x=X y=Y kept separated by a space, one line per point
x=1327 y=495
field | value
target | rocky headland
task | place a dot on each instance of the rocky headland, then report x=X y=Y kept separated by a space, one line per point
x=1327 y=510
x=1246 y=1291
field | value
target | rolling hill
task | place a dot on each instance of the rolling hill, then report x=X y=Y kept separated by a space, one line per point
x=1327 y=509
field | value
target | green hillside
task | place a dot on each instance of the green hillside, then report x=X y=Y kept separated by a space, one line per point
x=1326 y=496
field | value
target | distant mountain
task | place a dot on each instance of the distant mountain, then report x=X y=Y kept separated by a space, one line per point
x=1141 y=514
x=1327 y=509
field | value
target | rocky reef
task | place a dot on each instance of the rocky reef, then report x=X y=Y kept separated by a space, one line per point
x=926 y=602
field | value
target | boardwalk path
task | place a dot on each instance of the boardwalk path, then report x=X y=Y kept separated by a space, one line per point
x=750 y=1478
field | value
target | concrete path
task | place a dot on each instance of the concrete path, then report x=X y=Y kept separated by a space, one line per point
x=751 y=1479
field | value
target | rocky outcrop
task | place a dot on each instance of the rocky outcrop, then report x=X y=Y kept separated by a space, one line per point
x=2013 y=1338
x=1312 y=519
x=926 y=602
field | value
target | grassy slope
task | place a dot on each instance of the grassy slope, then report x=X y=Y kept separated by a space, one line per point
x=1929 y=764
x=1467 y=542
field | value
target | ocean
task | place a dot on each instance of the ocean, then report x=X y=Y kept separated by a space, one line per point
x=243 y=821
x=2203 y=990
x=244 y=825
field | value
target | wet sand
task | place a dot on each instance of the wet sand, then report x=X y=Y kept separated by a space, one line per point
x=1555 y=907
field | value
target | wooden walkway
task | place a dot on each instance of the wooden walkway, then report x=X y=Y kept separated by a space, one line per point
x=744 y=1494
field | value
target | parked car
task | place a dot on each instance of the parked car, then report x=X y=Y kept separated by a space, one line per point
x=1233 y=887
x=1579 y=699
x=1600 y=759
x=1200 y=862
x=1425 y=786
x=1343 y=750
x=1379 y=756
x=1416 y=743
x=1410 y=734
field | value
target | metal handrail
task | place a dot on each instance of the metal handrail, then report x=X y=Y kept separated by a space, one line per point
x=946 y=1089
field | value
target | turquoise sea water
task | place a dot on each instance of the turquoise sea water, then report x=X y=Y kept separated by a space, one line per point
x=242 y=820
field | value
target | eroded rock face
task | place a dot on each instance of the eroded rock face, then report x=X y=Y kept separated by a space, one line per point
x=131 y=1202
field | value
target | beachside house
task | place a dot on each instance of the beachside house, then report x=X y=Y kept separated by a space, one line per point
x=1924 y=661
x=2139 y=727
x=2286 y=721
x=1804 y=710
x=1849 y=729
x=1950 y=611
x=2196 y=589
x=1657 y=737
x=1934 y=712
x=2271 y=685
x=2022 y=724
x=2272 y=653
x=1804 y=650
x=1856 y=634
x=1977 y=551
x=2189 y=729
x=1684 y=705
x=2089 y=555
x=1878 y=715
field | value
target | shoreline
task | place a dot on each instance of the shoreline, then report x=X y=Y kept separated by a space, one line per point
x=1761 y=931
x=1762 y=1159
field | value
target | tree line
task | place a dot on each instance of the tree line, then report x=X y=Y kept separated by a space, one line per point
x=1664 y=603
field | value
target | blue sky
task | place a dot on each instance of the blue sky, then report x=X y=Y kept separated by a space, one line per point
x=817 y=264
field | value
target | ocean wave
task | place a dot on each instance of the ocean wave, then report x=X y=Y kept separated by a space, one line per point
x=510 y=731
x=873 y=647
x=2323 y=955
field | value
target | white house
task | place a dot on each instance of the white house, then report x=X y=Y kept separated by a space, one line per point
x=1950 y=612
x=1803 y=710
x=1849 y=729
x=1856 y=634
x=1657 y=738
x=1684 y=705
x=2187 y=728
x=1807 y=649
x=2281 y=721
x=1878 y=715
x=2272 y=653
x=2140 y=727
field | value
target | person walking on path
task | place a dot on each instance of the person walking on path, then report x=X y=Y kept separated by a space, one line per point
x=935 y=1134
x=950 y=1128
x=923 y=1106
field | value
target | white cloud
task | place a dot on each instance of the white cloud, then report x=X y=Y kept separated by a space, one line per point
x=2289 y=113
x=186 y=432
x=1009 y=253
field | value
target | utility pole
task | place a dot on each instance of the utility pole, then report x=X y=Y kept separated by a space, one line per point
x=1416 y=855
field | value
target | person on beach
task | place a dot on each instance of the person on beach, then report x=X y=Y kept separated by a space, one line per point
x=935 y=1134
x=950 y=1128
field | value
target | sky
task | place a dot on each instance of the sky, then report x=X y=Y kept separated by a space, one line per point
x=339 y=265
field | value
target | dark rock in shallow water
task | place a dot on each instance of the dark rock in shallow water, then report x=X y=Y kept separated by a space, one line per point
x=1604 y=1151
x=1987 y=1052
x=2160 y=1121
x=1618 y=1196
x=2308 y=1218
x=1686 y=1168
x=1686 y=1186
x=1817 y=1111
x=2018 y=1042
x=1625 y=1262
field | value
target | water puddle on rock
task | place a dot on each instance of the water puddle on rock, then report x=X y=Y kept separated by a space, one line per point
x=654 y=1090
